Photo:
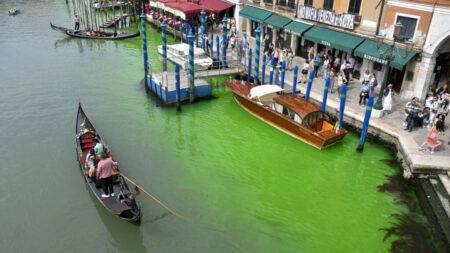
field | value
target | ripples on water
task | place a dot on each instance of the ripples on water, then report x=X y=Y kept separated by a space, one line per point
x=247 y=186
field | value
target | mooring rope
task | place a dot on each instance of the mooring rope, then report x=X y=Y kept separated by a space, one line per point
x=159 y=202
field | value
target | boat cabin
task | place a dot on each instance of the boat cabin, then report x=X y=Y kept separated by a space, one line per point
x=296 y=108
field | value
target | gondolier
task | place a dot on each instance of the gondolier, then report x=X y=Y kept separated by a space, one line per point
x=77 y=22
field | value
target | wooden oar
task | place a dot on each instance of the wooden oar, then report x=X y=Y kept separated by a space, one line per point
x=159 y=202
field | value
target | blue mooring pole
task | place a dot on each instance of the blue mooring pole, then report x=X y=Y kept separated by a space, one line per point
x=187 y=29
x=263 y=70
x=257 y=54
x=218 y=50
x=272 y=67
x=211 y=44
x=181 y=31
x=294 y=81
x=177 y=86
x=283 y=71
x=191 y=67
x=224 y=40
x=325 y=93
x=144 y=48
x=365 y=125
x=196 y=35
x=277 y=77
x=308 y=87
x=342 y=104
x=249 y=66
x=203 y=25
x=164 y=45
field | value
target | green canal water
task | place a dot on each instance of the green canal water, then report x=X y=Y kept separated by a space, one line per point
x=245 y=186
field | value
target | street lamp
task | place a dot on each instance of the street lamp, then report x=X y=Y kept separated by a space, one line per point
x=388 y=54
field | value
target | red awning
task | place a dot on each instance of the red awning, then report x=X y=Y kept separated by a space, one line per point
x=187 y=8
x=216 y=6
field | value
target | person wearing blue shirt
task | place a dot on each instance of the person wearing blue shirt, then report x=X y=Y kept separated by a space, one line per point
x=365 y=89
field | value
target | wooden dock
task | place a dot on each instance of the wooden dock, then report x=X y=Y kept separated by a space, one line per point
x=114 y=20
x=163 y=84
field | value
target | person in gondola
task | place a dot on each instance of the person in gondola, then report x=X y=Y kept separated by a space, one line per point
x=77 y=22
x=115 y=29
x=104 y=170
x=99 y=148
x=90 y=163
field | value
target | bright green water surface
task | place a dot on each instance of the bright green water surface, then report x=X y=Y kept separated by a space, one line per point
x=246 y=186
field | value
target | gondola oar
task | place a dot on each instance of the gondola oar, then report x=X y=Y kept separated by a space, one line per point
x=159 y=202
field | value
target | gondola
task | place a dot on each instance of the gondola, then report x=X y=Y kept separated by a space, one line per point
x=123 y=203
x=100 y=34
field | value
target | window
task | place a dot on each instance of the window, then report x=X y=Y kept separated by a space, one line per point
x=291 y=4
x=354 y=6
x=377 y=66
x=268 y=1
x=328 y=4
x=281 y=2
x=308 y=3
x=408 y=27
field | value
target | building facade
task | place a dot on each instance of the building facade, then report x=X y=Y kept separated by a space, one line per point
x=425 y=26
x=352 y=29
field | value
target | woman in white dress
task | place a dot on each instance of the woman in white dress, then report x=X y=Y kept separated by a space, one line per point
x=387 y=98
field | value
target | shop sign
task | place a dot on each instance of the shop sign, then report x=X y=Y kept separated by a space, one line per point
x=344 y=20
x=326 y=43
x=375 y=59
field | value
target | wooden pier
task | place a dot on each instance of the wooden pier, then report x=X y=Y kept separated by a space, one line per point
x=163 y=84
x=114 y=20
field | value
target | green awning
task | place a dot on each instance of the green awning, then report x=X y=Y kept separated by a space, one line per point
x=371 y=51
x=334 y=39
x=297 y=28
x=277 y=21
x=255 y=14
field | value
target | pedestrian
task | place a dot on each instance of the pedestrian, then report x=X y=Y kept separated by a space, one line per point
x=341 y=80
x=387 y=98
x=290 y=59
x=304 y=72
x=364 y=94
x=413 y=110
x=365 y=78
x=433 y=105
x=351 y=66
x=432 y=142
x=317 y=64
x=77 y=22
x=330 y=72
x=372 y=84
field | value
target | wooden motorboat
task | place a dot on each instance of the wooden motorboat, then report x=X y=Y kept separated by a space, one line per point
x=96 y=35
x=291 y=114
x=123 y=203
x=179 y=54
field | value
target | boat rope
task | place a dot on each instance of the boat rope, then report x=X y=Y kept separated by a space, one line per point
x=159 y=202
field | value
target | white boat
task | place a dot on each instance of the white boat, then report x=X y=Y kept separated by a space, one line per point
x=178 y=53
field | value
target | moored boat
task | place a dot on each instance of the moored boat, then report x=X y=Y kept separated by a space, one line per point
x=179 y=53
x=95 y=34
x=291 y=114
x=123 y=203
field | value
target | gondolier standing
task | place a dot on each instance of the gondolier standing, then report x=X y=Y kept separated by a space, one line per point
x=77 y=22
